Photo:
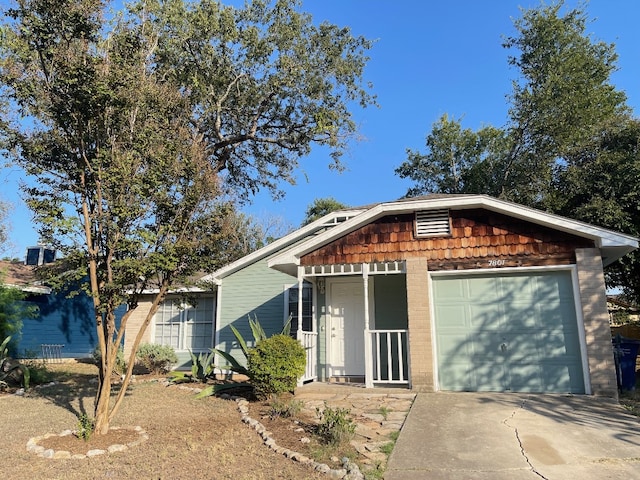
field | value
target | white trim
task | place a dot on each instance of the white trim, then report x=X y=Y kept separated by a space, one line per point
x=573 y=269
x=329 y=221
x=577 y=300
x=613 y=244
x=217 y=320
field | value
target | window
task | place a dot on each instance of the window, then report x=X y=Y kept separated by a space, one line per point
x=291 y=308
x=184 y=326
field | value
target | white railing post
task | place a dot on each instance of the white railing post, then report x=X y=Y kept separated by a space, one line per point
x=368 y=364
x=299 y=329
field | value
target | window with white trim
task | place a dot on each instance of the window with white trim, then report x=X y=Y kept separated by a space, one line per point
x=431 y=223
x=291 y=307
x=184 y=326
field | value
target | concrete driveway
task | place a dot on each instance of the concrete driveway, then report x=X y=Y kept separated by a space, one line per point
x=502 y=436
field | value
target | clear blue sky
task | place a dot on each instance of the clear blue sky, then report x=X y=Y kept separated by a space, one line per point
x=431 y=57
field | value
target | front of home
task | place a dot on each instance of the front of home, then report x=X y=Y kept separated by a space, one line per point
x=458 y=293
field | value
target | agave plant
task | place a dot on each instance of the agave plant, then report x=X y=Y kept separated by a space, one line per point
x=233 y=363
x=11 y=371
x=202 y=367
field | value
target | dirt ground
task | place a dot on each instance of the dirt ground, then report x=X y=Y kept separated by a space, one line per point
x=188 y=438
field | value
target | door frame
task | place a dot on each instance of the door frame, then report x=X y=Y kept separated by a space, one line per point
x=509 y=270
x=330 y=281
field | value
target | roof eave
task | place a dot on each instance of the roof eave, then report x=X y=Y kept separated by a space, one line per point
x=613 y=244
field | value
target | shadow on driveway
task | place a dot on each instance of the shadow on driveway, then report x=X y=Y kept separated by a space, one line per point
x=516 y=436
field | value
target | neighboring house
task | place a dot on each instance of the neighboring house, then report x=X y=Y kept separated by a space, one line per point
x=63 y=321
x=444 y=292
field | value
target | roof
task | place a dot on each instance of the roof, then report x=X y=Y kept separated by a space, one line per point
x=315 y=228
x=612 y=245
x=23 y=277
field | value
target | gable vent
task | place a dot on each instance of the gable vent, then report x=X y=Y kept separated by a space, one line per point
x=432 y=222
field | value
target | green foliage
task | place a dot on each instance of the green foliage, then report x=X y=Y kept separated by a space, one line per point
x=13 y=310
x=239 y=366
x=120 y=366
x=39 y=374
x=275 y=364
x=321 y=207
x=157 y=358
x=134 y=140
x=335 y=426
x=12 y=372
x=279 y=407
x=202 y=367
x=85 y=427
x=569 y=146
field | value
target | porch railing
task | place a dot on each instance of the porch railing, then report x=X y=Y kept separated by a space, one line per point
x=309 y=341
x=390 y=356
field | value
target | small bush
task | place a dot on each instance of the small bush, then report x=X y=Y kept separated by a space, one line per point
x=85 y=427
x=335 y=426
x=157 y=358
x=120 y=367
x=284 y=408
x=275 y=364
x=38 y=372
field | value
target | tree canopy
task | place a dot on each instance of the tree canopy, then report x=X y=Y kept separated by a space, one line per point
x=321 y=207
x=141 y=130
x=570 y=143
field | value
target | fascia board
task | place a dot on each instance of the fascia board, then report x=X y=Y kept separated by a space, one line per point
x=278 y=244
x=602 y=237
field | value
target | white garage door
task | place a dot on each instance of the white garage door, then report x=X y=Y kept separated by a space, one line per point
x=507 y=332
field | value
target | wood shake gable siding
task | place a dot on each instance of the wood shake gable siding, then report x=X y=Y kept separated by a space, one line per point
x=476 y=236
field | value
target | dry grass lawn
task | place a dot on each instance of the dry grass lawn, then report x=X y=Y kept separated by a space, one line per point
x=188 y=438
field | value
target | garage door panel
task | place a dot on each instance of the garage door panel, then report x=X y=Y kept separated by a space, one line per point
x=518 y=332
x=455 y=313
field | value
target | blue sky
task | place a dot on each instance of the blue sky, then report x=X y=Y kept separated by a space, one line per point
x=430 y=58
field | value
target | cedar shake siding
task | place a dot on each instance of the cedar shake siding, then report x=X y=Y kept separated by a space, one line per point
x=477 y=236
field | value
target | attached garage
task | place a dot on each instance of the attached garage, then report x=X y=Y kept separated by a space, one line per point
x=508 y=331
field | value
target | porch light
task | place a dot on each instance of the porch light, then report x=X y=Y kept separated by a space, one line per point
x=320 y=285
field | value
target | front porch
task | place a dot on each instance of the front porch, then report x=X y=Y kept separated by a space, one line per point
x=359 y=332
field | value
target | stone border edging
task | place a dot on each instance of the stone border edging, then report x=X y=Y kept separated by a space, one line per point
x=33 y=447
x=350 y=471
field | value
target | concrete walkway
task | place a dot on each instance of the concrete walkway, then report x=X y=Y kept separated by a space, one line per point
x=476 y=436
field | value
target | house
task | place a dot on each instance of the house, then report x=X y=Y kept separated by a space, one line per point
x=63 y=321
x=444 y=292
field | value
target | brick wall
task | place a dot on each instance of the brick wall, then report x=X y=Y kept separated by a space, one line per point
x=419 y=313
x=596 y=322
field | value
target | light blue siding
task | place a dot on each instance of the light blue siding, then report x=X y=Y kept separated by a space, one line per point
x=255 y=290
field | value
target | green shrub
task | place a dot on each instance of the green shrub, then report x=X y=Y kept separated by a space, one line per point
x=335 y=426
x=275 y=364
x=279 y=407
x=120 y=367
x=85 y=427
x=39 y=374
x=157 y=358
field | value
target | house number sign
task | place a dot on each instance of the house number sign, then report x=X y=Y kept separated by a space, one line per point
x=497 y=263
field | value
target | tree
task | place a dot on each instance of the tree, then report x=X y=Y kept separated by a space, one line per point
x=320 y=207
x=138 y=130
x=566 y=125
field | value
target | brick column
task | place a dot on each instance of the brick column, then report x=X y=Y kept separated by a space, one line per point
x=593 y=299
x=419 y=313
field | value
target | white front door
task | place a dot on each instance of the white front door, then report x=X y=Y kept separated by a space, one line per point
x=346 y=328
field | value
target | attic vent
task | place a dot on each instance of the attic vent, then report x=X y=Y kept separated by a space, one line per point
x=432 y=222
